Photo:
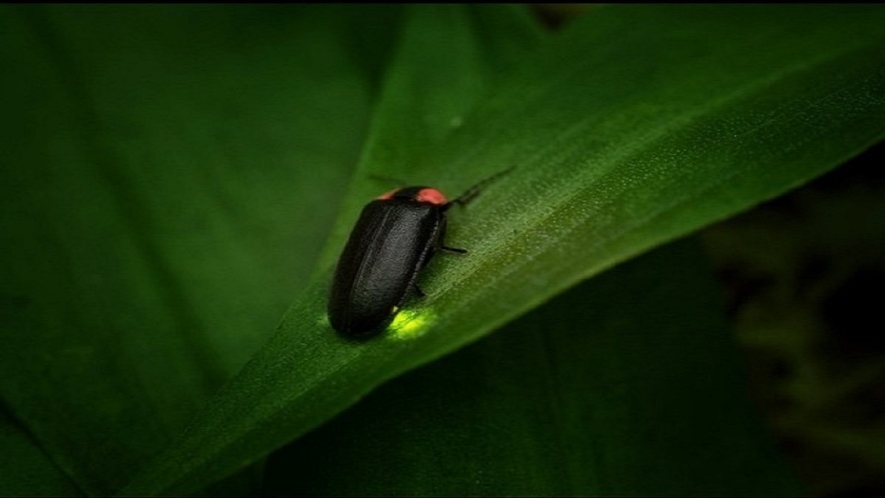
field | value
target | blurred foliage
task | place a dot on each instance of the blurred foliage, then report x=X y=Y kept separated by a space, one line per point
x=805 y=275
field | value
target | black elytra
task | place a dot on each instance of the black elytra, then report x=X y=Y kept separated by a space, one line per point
x=395 y=237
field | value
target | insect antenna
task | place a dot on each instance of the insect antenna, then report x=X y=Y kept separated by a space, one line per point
x=475 y=190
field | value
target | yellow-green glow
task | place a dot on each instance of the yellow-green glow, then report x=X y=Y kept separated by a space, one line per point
x=407 y=325
x=410 y=324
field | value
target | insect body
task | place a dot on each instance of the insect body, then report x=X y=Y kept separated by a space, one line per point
x=395 y=237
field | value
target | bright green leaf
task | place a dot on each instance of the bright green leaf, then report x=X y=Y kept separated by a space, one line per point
x=637 y=125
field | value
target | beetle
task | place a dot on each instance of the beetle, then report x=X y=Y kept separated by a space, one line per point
x=395 y=237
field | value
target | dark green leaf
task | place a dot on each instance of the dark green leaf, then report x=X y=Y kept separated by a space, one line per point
x=165 y=192
x=25 y=470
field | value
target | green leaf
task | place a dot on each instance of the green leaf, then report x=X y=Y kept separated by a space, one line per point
x=637 y=125
x=631 y=374
x=164 y=195
x=24 y=469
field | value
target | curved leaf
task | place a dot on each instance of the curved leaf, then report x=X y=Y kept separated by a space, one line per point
x=637 y=125
x=161 y=205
